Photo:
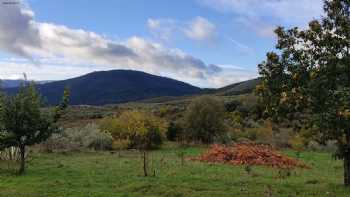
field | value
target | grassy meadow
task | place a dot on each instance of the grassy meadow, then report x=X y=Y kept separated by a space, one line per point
x=120 y=174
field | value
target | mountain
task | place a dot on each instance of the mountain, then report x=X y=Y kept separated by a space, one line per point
x=237 y=88
x=242 y=87
x=117 y=86
x=7 y=83
x=10 y=83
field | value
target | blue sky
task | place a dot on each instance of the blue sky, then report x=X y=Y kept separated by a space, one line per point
x=208 y=43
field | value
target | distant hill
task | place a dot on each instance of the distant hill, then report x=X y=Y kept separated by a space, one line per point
x=117 y=86
x=7 y=83
x=241 y=90
x=235 y=89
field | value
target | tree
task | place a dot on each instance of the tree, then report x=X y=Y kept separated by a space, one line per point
x=141 y=130
x=204 y=119
x=309 y=78
x=22 y=121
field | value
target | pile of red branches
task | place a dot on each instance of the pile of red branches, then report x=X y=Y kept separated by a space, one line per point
x=249 y=154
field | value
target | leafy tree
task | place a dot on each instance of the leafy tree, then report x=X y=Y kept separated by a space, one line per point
x=142 y=131
x=205 y=119
x=23 y=123
x=309 y=78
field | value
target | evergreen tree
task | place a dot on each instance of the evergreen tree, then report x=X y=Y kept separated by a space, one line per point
x=23 y=122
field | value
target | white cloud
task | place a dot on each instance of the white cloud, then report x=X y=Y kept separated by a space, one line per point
x=62 y=52
x=200 y=29
x=17 y=29
x=162 y=28
x=197 y=29
x=252 y=13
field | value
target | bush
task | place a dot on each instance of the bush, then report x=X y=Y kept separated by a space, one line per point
x=174 y=131
x=120 y=144
x=297 y=143
x=243 y=110
x=205 y=120
x=236 y=119
x=314 y=146
x=264 y=132
x=231 y=106
x=140 y=129
x=330 y=146
x=79 y=139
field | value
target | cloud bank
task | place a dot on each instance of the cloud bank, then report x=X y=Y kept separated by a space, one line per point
x=23 y=36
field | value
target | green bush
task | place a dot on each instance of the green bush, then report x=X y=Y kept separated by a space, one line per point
x=205 y=120
x=174 y=131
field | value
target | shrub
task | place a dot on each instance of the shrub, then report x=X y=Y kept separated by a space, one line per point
x=314 y=146
x=79 y=139
x=174 y=131
x=297 y=143
x=243 y=110
x=330 y=146
x=142 y=130
x=232 y=105
x=205 y=119
x=236 y=118
x=251 y=134
x=281 y=137
x=120 y=144
x=264 y=132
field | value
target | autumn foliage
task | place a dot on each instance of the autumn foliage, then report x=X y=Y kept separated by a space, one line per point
x=249 y=154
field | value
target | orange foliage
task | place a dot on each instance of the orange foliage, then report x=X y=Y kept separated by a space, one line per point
x=249 y=154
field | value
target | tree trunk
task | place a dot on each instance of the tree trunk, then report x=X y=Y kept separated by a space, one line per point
x=145 y=163
x=23 y=159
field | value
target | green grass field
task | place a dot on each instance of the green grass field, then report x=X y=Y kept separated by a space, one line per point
x=106 y=174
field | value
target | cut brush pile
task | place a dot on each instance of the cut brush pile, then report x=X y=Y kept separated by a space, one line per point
x=249 y=154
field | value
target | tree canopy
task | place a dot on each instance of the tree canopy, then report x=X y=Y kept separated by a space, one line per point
x=309 y=77
x=23 y=122
x=204 y=119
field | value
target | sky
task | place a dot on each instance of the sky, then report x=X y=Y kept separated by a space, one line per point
x=207 y=43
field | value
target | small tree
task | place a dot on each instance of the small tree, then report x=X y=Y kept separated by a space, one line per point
x=309 y=79
x=23 y=123
x=143 y=131
x=205 y=119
